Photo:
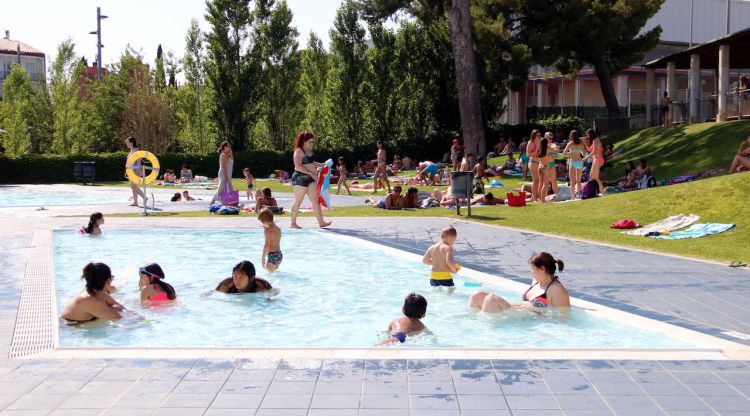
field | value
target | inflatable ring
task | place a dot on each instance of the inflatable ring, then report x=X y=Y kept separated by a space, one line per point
x=134 y=177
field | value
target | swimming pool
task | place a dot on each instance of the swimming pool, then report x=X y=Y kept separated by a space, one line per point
x=45 y=196
x=335 y=293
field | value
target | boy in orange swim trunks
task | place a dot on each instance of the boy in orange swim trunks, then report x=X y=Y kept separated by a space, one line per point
x=440 y=257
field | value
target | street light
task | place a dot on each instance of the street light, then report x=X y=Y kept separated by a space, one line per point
x=99 y=46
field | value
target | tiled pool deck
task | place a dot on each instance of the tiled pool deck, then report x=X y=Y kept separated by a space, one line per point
x=700 y=296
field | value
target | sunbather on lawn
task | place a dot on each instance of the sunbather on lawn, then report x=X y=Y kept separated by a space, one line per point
x=742 y=158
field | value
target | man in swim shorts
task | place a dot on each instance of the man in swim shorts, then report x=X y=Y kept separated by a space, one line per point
x=440 y=257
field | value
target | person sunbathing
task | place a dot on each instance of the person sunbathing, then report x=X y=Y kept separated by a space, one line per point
x=392 y=201
x=487 y=199
x=741 y=160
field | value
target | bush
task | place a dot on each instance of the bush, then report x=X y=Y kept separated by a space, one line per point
x=563 y=123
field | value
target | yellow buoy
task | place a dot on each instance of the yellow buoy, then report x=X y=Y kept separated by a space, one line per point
x=131 y=162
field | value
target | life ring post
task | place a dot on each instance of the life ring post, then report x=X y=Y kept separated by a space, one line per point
x=141 y=179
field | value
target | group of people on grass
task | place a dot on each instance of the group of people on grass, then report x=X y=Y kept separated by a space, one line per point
x=96 y=303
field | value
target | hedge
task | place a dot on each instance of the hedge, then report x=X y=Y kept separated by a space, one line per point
x=39 y=169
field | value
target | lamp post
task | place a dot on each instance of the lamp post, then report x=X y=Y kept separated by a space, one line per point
x=729 y=7
x=99 y=46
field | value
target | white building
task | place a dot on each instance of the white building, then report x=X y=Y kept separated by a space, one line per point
x=581 y=93
x=17 y=52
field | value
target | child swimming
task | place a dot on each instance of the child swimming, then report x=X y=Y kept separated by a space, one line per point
x=152 y=285
x=272 y=256
x=414 y=309
x=95 y=220
x=243 y=280
x=440 y=257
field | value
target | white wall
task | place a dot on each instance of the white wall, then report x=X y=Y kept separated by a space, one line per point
x=709 y=19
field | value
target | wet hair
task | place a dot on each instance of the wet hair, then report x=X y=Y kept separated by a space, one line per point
x=544 y=260
x=96 y=276
x=132 y=141
x=302 y=138
x=267 y=192
x=156 y=276
x=185 y=192
x=223 y=145
x=247 y=267
x=415 y=306
x=93 y=219
x=543 y=145
x=448 y=231
x=574 y=137
x=176 y=197
x=265 y=215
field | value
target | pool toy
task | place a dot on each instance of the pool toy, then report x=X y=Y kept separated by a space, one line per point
x=457 y=266
x=131 y=163
x=324 y=183
x=472 y=284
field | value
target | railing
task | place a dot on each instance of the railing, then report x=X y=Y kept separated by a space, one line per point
x=738 y=105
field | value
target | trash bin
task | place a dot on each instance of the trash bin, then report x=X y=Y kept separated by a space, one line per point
x=84 y=171
x=461 y=184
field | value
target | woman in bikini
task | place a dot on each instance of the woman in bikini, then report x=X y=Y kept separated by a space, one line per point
x=545 y=291
x=574 y=152
x=152 y=284
x=596 y=154
x=742 y=158
x=305 y=177
x=94 y=302
x=532 y=150
x=546 y=168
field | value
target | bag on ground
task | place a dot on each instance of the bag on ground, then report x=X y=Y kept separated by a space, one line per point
x=514 y=200
x=590 y=190
x=625 y=225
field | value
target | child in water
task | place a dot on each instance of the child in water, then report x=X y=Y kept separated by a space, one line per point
x=440 y=257
x=250 y=182
x=271 y=257
x=95 y=220
x=414 y=309
x=243 y=280
x=152 y=284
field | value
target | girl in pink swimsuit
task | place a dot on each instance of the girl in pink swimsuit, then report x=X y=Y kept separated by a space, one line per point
x=152 y=284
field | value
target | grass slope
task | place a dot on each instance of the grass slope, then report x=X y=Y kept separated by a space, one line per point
x=678 y=150
x=721 y=199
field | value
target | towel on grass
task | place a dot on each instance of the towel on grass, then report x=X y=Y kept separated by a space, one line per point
x=672 y=223
x=696 y=231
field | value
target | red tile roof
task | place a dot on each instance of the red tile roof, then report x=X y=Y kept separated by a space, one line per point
x=9 y=46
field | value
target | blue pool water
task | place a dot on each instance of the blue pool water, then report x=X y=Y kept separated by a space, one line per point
x=334 y=293
x=45 y=196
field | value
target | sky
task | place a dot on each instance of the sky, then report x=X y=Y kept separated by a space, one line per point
x=43 y=24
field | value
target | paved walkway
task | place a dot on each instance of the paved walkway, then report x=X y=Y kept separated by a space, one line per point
x=634 y=281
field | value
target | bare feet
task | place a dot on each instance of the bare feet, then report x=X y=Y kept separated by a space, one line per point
x=325 y=224
x=295 y=226
x=134 y=204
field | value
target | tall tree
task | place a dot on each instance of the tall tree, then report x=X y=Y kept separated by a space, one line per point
x=159 y=79
x=314 y=62
x=233 y=68
x=380 y=83
x=65 y=74
x=602 y=33
x=276 y=40
x=344 y=101
x=14 y=117
x=415 y=103
x=467 y=76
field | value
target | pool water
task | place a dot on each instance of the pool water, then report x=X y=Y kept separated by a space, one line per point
x=334 y=293
x=40 y=196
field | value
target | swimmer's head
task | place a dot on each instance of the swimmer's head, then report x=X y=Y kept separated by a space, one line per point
x=243 y=273
x=449 y=234
x=543 y=263
x=176 y=197
x=153 y=274
x=265 y=216
x=415 y=306
x=98 y=277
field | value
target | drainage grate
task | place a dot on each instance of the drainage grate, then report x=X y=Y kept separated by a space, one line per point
x=36 y=324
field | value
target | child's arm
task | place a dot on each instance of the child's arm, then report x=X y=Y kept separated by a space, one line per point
x=266 y=248
x=427 y=259
x=450 y=262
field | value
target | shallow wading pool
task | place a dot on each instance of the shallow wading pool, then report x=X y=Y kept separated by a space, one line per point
x=335 y=293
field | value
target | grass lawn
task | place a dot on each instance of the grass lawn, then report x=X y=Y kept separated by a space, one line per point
x=677 y=150
x=722 y=199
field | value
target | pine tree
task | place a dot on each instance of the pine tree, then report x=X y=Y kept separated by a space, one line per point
x=313 y=86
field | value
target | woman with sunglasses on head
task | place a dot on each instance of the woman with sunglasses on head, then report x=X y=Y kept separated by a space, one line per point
x=94 y=302
x=152 y=284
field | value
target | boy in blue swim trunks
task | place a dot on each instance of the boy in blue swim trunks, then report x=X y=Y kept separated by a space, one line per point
x=440 y=257
x=271 y=257
x=250 y=182
x=414 y=309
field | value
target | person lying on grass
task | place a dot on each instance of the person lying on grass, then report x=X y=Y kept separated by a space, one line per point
x=741 y=160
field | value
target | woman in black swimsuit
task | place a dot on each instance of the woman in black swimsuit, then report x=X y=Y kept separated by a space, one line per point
x=95 y=302
x=545 y=291
x=305 y=177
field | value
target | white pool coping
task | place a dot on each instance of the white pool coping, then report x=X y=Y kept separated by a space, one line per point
x=36 y=333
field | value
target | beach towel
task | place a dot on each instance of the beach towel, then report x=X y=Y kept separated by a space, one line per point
x=672 y=223
x=696 y=231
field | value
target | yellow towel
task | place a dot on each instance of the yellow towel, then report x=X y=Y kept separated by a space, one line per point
x=441 y=275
